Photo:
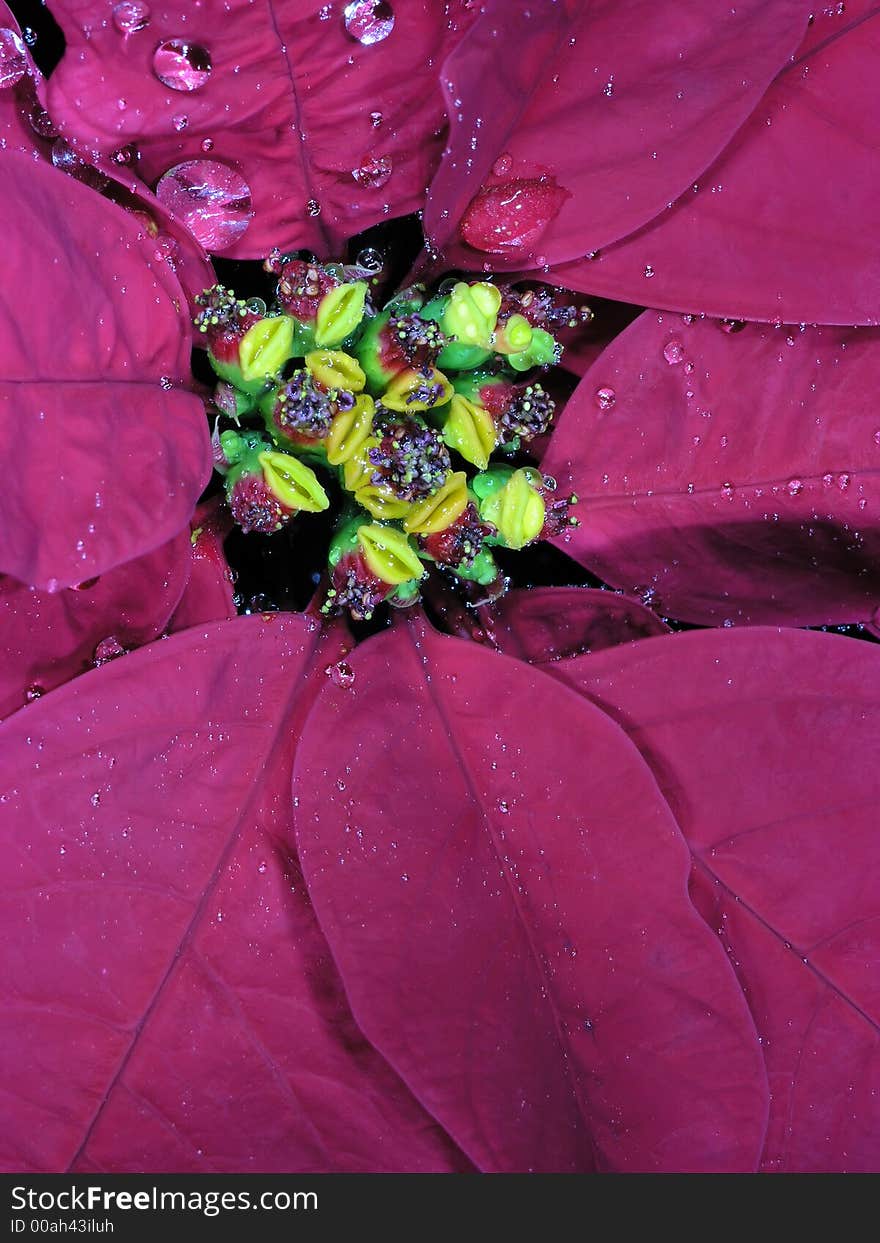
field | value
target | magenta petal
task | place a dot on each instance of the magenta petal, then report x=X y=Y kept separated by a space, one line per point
x=542 y=625
x=48 y=638
x=208 y=594
x=17 y=94
x=766 y=747
x=782 y=225
x=288 y=105
x=624 y=103
x=107 y=450
x=504 y=894
x=733 y=476
x=169 y=1002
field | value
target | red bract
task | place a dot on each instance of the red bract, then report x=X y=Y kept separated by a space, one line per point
x=542 y=625
x=765 y=747
x=731 y=475
x=704 y=147
x=293 y=103
x=48 y=638
x=624 y=103
x=766 y=233
x=208 y=594
x=107 y=451
x=551 y=1000
x=170 y=1003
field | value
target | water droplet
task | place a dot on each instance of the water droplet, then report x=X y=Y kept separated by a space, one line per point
x=673 y=352
x=376 y=119
x=727 y=491
x=40 y=121
x=368 y=21
x=108 y=649
x=130 y=17
x=180 y=121
x=69 y=161
x=182 y=66
x=261 y=867
x=210 y=198
x=14 y=59
x=33 y=692
x=95 y=798
x=370 y=259
x=207 y=144
x=877 y=436
x=795 y=487
x=649 y=271
x=732 y=325
x=373 y=172
x=503 y=806
x=313 y=207
x=843 y=480
x=605 y=398
x=341 y=674
x=503 y=164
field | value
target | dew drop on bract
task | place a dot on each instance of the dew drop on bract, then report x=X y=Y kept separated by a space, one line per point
x=313 y=207
x=33 y=693
x=368 y=21
x=376 y=119
x=108 y=649
x=795 y=487
x=605 y=398
x=14 y=59
x=180 y=121
x=373 y=172
x=673 y=352
x=40 y=121
x=131 y=16
x=181 y=65
x=210 y=198
x=65 y=158
x=207 y=144
x=503 y=165
x=341 y=674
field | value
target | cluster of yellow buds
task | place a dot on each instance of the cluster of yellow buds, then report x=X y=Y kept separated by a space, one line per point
x=395 y=412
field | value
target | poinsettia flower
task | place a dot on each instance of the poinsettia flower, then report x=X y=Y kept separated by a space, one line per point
x=557 y=899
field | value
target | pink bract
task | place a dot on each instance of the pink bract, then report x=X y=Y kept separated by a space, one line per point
x=765 y=748
x=171 y=1003
x=624 y=103
x=288 y=105
x=737 y=481
x=108 y=448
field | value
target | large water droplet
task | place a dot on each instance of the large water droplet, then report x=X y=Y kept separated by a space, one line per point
x=512 y=213
x=673 y=352
x=370 y=259
x=131 y=16
x=368 y=21
x=605 y=398
x=210 y=198
x=795 y=487
x=181 y=65
x=373 y=172
x=14 y=59
x=341 y=674
x=108 y=649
